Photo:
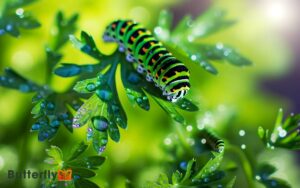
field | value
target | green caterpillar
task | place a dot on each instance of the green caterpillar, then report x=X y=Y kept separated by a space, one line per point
x=213 y=140
x=154 y=60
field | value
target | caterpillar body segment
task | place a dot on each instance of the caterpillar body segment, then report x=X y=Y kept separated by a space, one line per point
x=154 y=60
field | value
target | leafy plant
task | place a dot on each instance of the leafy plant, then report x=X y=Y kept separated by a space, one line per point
x=194 y=155
x=136 y=87
x=263 y=176
x=286 y=134
x=51 y=108
x=82 y=167
x=185 y=39
x=13 y=18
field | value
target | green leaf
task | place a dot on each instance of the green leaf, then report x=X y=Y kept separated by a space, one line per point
x=56 y=153
x=231 y=183
x=162 y=31
x=211 y=21
x=65 y=27
x=84 y=183
x=86 y=86
x=14 y=80
x=285 y=133
x=89 y=46
x=114 y=132
x=176 y=177
x=77 y=150
x=189 y=170
x=264 y=172
x=261 y=132
x=100 y=139
x=91 y=162
x=211 y=166
x=83 y=172
x=170 y=109
x=223 y=52
x=186 y=104
x=132 y=83
x=89 y=109
x=86 y=45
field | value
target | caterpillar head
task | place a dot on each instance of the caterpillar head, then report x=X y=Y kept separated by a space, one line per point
x=177 y=92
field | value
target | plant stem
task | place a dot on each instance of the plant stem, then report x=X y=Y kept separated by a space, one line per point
x=244 y=161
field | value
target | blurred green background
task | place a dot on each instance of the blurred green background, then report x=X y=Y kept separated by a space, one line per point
x=235 y=93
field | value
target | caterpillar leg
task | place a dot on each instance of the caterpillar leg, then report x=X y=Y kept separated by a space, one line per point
x=121 y=48
x=140 y=69
x=149 y=78
x=130 y=58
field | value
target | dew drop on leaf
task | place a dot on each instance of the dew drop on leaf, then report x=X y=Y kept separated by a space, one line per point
x=90 y=87
x=35 y=126
x=24 y=88
x=101 y=150
x=242 y=132
x=104 y=94
x=243 y=146
x=183 y=165
x=100 y=123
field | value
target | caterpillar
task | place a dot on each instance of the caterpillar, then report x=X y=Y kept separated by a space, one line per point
x=153 y=59
x=213 y=140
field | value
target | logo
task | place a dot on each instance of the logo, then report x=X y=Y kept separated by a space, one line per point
x=64 y=175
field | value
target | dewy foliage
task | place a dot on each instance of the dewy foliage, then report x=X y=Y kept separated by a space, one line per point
x=13 y=18
x=51 y=109
x=103 y=108
x=82 y=167
x=103 y=113
x=286 y=134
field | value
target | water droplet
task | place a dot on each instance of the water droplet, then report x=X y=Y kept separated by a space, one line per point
x=115 y=108
x=90 y=87
x=193 y=57
x=219 y=46
x=243 y=146
x=35 y=127
x=201 y=126
x=157 y=30
x=139 y=100
x=145 y=98
x=67 y=122
x=86 y=49
x=24 y=88
x=203 y=141
x=20 y=12
x=273 y=183
x=190 y=38
x=100 y=123
x=281 y=132
x=54 y=123
x=50 y=106
x=101 y=150
x=168 y=141
x=190 y=141
x=2 y=31
x=9 y=27
x=206 y=179
x=242 y=132
x=189 y=128
x=257 y=177
x=183 y=165
x=76 y=177
x=227 y=52
x=104 y=94
x=273 y=138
